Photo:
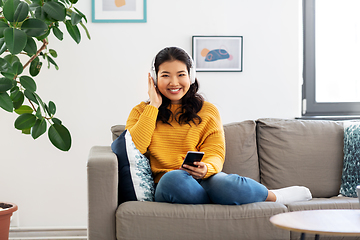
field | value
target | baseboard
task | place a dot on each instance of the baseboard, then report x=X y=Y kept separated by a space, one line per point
x=17 y=233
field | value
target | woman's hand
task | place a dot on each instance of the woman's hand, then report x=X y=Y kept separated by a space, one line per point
x=197 y=172
x=154 y=94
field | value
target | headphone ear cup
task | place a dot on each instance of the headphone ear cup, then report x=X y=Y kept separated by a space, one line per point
x=192 y=75
x=152 y=71
x=153 y=75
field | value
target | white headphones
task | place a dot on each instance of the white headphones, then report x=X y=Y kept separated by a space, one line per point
x=192 y=71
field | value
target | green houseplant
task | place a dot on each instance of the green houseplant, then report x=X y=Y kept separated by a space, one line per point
x=24 y=30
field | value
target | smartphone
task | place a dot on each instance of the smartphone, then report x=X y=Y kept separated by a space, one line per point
x=192 y=157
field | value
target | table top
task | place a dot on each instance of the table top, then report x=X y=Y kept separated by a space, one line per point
x=344 y=222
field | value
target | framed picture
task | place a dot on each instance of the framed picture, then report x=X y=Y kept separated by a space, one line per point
x=218 y=53
x=126 y=11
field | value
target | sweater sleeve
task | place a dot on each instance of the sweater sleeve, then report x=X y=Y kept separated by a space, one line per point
x=213 y=143
x=141 y=124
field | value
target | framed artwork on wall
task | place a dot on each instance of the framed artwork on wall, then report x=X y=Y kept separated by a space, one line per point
x=218 y=53
x=126 y=11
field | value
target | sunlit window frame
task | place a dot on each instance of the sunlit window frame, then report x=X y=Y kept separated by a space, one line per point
x=311 y=108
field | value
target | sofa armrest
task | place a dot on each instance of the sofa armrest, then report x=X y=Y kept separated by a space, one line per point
x=102 y=179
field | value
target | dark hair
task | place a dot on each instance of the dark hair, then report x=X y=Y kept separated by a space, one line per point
x=191 y=103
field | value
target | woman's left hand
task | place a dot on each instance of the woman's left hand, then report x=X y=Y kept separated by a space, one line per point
x=197 y=172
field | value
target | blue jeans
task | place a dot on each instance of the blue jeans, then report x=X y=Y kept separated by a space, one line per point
x=178 y=186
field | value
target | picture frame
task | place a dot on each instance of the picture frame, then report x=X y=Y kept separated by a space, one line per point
x=218 y=53
x=123 y=11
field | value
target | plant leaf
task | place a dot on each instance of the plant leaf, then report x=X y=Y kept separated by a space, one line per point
x=21 y=12
x=60 y=137
x=24 y=109
x=55 y=10
x=87 y=32
x=46 y=109
x=38 y=2
x=58 y=33
x=39 y=128
x=73 y=31
x=52 y=107
x=3 y=47
x=9 y=9
x=75 y=18
x=3 y=26
x=17 y=68
x=26 y=131
x=56 y=121
x=53 y=62
x=81 y=14
x=4 y=65
x=43 y=105
x=28 y=83
x=24 y=121
x=11 y=58
x=5 y=102
x=15 y=40
x=17 y=98
x=5 y=84
x=40 y=38
x=34 y=27
x=53 y=53
x=30 y=47
x=40 y=13
x=30 y=95
x=8 y=74
x=35 y=67
x=38 y=113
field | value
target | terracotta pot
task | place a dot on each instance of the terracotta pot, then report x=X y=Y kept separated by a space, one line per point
x=5 y=214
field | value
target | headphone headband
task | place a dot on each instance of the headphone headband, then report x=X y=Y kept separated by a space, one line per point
x=192 y=71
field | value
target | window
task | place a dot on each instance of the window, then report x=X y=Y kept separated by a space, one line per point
x=331 y=58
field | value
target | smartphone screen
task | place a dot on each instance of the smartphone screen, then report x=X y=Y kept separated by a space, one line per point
x=192 y=157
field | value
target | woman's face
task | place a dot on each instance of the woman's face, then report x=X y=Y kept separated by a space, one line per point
x=173 y=80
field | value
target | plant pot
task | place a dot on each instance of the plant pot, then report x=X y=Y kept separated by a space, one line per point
x=5 y=215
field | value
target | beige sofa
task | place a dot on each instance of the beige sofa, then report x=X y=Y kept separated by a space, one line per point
x=276 y=152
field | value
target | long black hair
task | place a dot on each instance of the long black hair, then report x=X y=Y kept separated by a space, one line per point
x=191 y=103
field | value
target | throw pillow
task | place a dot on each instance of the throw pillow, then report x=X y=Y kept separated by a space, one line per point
x=351 y=169
x=135 y=177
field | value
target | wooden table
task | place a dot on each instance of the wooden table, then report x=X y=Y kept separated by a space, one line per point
x=343 y=222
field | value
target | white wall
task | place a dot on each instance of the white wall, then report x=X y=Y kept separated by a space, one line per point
x=99 y=81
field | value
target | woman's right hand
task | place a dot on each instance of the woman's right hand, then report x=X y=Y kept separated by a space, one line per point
x=154 y=94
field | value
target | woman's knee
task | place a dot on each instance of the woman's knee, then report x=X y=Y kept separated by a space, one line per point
x=174 y=176
x=231 y=189
x=178 y=186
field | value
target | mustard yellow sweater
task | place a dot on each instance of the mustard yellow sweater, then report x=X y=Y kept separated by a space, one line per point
x=168 y=145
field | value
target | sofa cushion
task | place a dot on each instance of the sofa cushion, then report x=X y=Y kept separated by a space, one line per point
x=135 y=177
x=351 y=167
x=301 y=152
x=325 y=203
x=116 y=130
x=241 y=152
x=153 y=220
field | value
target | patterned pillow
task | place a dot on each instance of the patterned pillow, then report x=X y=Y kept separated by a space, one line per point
x=351 y=169
x=135 y=177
